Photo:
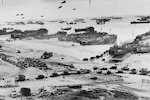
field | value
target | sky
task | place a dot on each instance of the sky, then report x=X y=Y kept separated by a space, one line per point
x=49 y=8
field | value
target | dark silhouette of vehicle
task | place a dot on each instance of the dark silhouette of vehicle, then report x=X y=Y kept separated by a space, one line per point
x=63 y=2
x=59 y=7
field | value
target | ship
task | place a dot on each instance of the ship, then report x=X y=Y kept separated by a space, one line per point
x=87 y=29
x=120 y=51
x=139 y=22
x=90 y=37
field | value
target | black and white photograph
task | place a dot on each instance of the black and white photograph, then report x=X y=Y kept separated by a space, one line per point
x=74 y=49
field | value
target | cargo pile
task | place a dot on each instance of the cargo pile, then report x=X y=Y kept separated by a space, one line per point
x=31 y=62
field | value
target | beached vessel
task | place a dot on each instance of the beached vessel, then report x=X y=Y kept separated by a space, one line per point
x=90 y=37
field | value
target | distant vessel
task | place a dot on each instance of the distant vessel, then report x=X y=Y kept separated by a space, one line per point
x=139 y=22
x=87 y=29
x=67 y=28
x=102 y=21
